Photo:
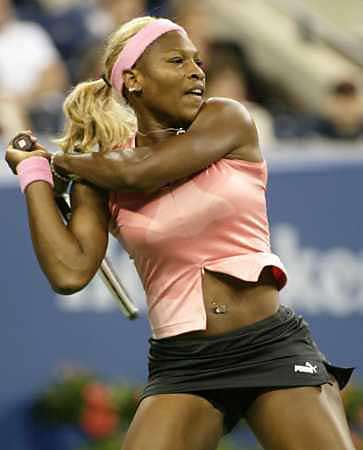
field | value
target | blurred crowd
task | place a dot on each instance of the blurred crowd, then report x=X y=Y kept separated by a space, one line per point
x=47 y=46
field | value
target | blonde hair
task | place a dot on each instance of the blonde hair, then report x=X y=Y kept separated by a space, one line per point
x=94 y=117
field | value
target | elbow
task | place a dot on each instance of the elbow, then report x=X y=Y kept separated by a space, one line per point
x=68 y=285
x=66 y=289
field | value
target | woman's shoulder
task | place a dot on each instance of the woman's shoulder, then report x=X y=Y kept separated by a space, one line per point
x=231 y=113
x=237 y=115
x=227 y=106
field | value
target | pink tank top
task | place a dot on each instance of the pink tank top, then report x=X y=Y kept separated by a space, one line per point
x=214 y=220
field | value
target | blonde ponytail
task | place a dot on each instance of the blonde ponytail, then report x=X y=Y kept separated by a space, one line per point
x=95 y=119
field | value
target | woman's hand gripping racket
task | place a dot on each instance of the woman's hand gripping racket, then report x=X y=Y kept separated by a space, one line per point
x=22 y=141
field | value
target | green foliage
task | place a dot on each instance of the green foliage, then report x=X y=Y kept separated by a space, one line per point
x=62 y=402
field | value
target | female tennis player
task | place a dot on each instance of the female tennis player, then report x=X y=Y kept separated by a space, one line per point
x=182 y=181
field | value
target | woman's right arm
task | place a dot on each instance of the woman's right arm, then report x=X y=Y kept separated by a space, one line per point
x=68 y=255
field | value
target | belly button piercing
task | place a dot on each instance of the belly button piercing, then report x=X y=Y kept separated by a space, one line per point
x=219 y=309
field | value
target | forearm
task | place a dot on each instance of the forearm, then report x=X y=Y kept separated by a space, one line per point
x=220 y=128
x=107 y=171
x=59 y=253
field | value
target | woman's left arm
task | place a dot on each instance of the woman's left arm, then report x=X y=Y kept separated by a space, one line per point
x=222 y=127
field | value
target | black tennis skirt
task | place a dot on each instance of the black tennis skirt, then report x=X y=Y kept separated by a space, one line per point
x=276 y=352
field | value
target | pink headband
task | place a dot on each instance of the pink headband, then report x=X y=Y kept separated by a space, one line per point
x=136 y=46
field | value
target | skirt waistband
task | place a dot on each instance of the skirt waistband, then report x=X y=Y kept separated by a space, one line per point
x=283 y=314
x=273 y=329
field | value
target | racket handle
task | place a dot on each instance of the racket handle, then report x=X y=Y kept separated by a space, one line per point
x=22 y=141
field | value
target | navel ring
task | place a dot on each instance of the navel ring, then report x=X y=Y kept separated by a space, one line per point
x=219 y=309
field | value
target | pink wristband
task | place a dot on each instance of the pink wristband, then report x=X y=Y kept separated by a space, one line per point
x=35 y=168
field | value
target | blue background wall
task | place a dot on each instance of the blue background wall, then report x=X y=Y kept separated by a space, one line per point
x=316 y=221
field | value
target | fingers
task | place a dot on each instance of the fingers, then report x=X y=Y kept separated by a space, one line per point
x=10 y=150
x=34 y=139
x=9 y=156
x=38 y=146
x=13 y=154
x=42 y=153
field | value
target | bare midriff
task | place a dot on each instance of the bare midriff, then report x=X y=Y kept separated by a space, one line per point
x=244 y=302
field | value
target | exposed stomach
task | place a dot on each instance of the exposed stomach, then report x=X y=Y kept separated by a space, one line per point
x=239 y=302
